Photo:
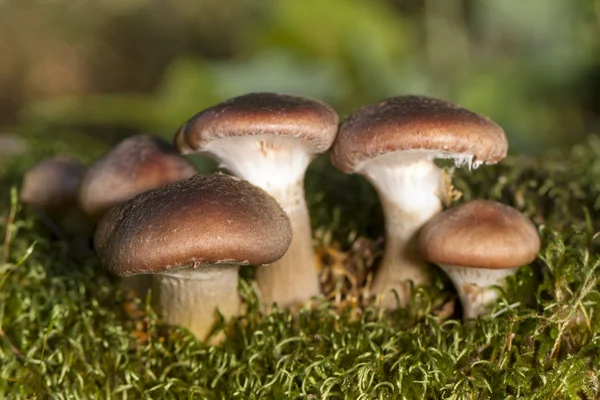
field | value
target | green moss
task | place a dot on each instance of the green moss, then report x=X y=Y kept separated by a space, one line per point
x=66 y=333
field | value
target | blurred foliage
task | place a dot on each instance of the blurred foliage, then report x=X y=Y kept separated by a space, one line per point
x=111 y=68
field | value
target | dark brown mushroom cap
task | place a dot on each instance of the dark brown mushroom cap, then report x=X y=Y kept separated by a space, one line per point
x=480 y=234
x=207 y=219
x=52 y=183
x=416 y=123
x=261 y=114
x=135 y=165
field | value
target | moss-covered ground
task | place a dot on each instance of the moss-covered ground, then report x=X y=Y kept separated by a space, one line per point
x=66 y=331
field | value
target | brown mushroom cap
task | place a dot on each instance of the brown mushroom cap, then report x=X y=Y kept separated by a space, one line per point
x=416 y=123
x=52 y=184
x=480 y=234
x=207 y=219
x=135 y=165
x=261 y=114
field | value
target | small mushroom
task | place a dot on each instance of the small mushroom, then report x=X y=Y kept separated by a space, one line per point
x=194 y=235
x=393 y=143
x=133 y=166
x=269 y=140
x=52 y=183
x=50 y=187
x=478 y=244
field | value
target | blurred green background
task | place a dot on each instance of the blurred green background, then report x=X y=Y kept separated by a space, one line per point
x=92 y=72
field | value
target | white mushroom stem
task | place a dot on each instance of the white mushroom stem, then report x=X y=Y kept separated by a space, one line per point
x=476 y=286
x=294 y=277
x=277 y=165
x=409 y=188
x=189 y=297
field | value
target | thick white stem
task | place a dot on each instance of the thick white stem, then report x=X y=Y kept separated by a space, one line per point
x=409 y=193
x=293 y=278
x=189 y=297
x=277 y=165
x=475 y=286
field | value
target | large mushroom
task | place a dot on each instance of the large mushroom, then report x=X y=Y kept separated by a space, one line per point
x=478 y=244
x=393 y=143
x=194 y=235
x=135 y=165
x=269 y=140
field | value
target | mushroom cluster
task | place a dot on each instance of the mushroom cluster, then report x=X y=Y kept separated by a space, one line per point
x=269 y=140
x=157 y=217
x=393 y=143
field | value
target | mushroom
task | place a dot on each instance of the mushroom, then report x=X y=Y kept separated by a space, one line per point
x=478 y=244
x=133 y=166
x=194 y=235
x=393 y=143
x=269 y=140
x=50 y=187
x=52 y=183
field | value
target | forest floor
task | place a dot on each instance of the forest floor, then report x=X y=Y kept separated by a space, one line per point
x=66 y=331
